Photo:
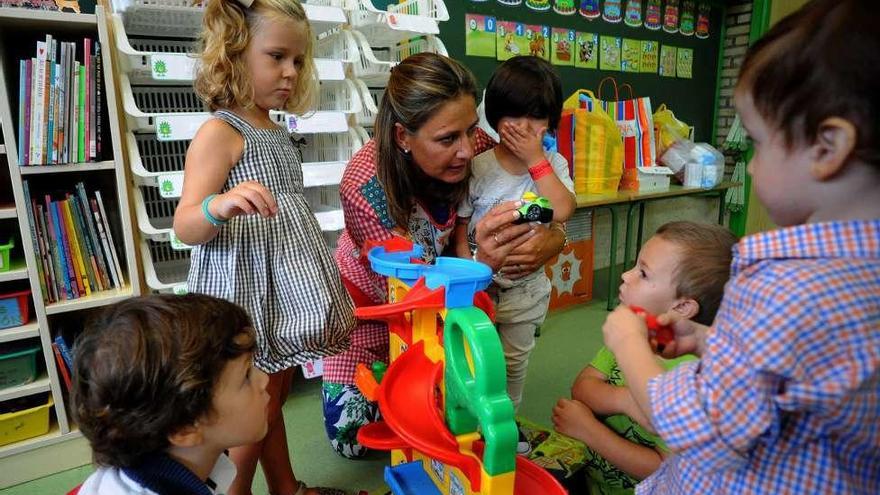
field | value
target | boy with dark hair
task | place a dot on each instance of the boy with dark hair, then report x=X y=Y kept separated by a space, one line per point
x=523 y=101
x=784 y=398
x=162 y=386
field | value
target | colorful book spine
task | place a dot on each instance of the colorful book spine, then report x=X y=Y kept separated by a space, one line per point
x=66 y=352
x=116 y=261
x=25 y=156
x=51 y=294
x=93 y=235
x=85 y=244
x=81 y=109
x=62 y=367
x=99 y=85
x=82 y=278
x=104 y=243
x=63 y=268
x=87 y=100
x=34 y=229
x=72 y=267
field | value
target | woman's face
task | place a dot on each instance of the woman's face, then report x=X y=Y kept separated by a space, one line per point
x=443 y=147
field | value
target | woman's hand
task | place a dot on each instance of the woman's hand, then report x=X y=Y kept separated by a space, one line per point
x=247 y=198
x=526 y=143
x=534 y=253
x=497 y=236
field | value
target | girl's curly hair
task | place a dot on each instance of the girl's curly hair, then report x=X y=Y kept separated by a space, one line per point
x=222 y=80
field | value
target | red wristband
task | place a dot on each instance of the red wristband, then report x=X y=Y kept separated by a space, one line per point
x=540 y=169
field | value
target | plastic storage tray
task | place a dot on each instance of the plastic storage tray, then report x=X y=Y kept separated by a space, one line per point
x=14 y=308
x=377 y=57
x=4 y=254
x=175 y=112
x=29 y=422
x=171 y=61
x=18 y=365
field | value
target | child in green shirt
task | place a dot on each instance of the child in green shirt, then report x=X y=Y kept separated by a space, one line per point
x=682 y=268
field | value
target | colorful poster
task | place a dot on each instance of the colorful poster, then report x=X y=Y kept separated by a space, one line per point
x=668 y=60
x=509 y=40
x=538 y=41
x=479 y=35
x=587 y=51
x=609 y=59
x=562 y=46
x=632 y=55
x=650 y=56
x=685 y=66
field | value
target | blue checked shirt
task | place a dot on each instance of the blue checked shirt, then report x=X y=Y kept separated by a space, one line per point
x=786 y=398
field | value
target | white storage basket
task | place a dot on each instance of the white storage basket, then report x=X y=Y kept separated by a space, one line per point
x=182 y=19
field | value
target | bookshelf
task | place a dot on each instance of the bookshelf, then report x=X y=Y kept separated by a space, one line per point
x=19 y=30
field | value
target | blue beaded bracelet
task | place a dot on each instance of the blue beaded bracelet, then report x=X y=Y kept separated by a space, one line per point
x=211 y=218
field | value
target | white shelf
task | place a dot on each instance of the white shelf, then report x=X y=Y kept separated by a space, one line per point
x=8 y=211
x=17 y=271
x=41 y=384
x=180 y=19
x=2 y=149
x=72 y=167
x=102 y=298
x=112 y=182
x=33 y=18
x=54 y=436
x=165 y=61
x=20 y=333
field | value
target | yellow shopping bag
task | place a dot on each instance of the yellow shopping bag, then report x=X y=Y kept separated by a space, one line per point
x=591 y=142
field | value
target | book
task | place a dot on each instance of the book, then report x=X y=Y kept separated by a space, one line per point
x=62 y=367
x=116 y=263
x=85 y=211
x=33 y=227
x=47 y=94
x=81 y=113
x=64 y=248
x=99 y=84
x=85 y=244
x=37 y=105
x=74 y=111
x=51 y=255
x=66 y=351
x=87 y=100
x=22 y=80
x=58 y=248
x=45 y=254
x=82 y=280
x=92 y=110
x=25 y=157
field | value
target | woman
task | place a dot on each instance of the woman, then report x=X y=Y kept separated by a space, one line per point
x=407 y=181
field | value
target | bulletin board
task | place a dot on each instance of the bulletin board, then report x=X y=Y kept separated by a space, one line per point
x=693 y=99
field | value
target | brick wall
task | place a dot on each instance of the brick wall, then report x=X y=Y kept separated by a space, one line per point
x=736 y=41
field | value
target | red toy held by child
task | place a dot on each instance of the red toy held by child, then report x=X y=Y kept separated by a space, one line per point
x=661 y=334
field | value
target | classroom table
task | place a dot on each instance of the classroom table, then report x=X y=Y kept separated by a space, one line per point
x=636 y=202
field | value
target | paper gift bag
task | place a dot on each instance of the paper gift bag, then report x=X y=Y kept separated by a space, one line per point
x=589 y=139
x=634 y=119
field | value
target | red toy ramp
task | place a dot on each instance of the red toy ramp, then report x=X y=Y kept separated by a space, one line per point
x=408 y=402
x=531 y=479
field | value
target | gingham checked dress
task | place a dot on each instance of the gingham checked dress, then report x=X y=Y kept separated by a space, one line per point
x=278 y=269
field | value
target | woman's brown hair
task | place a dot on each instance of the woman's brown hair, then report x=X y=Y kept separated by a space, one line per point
x=416 y=90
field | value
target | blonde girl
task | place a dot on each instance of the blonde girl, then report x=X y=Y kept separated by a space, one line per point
x=256 y=241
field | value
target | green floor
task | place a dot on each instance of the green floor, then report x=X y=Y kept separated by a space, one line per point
x=568 y=341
